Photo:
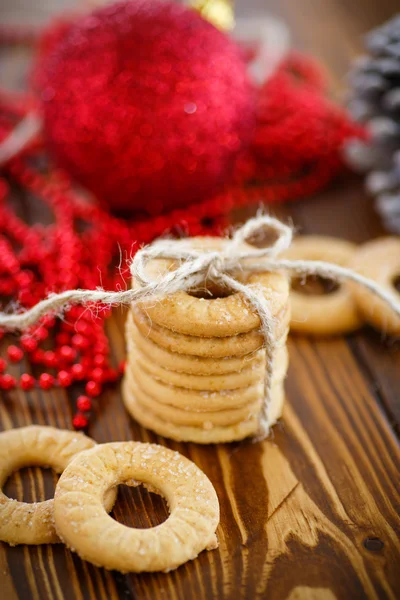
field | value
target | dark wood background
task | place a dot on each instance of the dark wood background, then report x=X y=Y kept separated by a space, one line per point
x=311 y=513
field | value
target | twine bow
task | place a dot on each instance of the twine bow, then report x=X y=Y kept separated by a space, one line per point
x=195 y=267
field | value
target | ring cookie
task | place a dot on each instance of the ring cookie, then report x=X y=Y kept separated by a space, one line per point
x=216 y=435
x=213 y=316
x=206 y=420
x=226 y=381
x=33 y=523
x=185 y=363
x=229 y=381
x=378 y=260
x=334 y=313
x=83 y=524
x=207 y=347
x=197 y=400
x=202 y=400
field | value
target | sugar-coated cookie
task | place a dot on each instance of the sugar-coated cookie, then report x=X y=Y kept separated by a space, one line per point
x=84 y=526
x=210 y=347
x=378 y=260
x=33 y=523
x=334 y=313
x=211 y=315
x=197 y=400
x=205 y=420
x=186 y=363
x=199 y=435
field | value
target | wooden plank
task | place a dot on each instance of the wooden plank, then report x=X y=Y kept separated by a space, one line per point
x=382 y=372
x=290 y=506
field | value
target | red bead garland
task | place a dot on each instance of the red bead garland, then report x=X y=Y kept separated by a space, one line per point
x=296 y=151
x=63 y=258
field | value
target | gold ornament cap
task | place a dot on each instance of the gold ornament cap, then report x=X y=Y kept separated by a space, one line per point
x=218 y=12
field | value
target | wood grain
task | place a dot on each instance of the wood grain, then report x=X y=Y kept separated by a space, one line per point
x=313 y=513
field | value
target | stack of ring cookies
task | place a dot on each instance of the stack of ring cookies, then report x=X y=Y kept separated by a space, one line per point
x=196 y=361
x=87 y=490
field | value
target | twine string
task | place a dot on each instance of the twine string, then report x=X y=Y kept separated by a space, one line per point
x=195 y=267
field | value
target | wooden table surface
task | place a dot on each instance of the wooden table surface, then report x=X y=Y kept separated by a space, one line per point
x=314 y=511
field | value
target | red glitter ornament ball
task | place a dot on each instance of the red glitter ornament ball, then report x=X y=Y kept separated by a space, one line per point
x=146 y=104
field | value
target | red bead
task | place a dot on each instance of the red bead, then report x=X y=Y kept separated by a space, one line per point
x=82 y=328
x=67 y=353
x=121 y=366
x=24 y=296
x=37 y=357
x=15 y=354
x=101 y=348
x=75 y=312
x=80 y=421
x=93 y=389
x=46 y=381
x=48 y=321
x=7 y=382
x=97 y=374
x=41 y=333
x=24 y=279
x=64 y=378
x=3 y=365
x=62 y=339
x=83 y=403
x=80 y=342
x=111 y=375
x=7 y=288
x=99 y=360
x=26 y=382
x=86 y=362
x=29 y=344
x=78 y=371
x=50 y=359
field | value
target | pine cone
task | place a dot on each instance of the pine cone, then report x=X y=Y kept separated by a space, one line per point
x=375 y=102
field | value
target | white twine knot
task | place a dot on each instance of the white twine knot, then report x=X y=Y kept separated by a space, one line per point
x=195 y=267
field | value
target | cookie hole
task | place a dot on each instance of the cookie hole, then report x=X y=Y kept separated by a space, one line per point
x=31 y=484
x=138 y=508
x=263 y=238
x=211 y=292
x=314 y=285
x=396 y=283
